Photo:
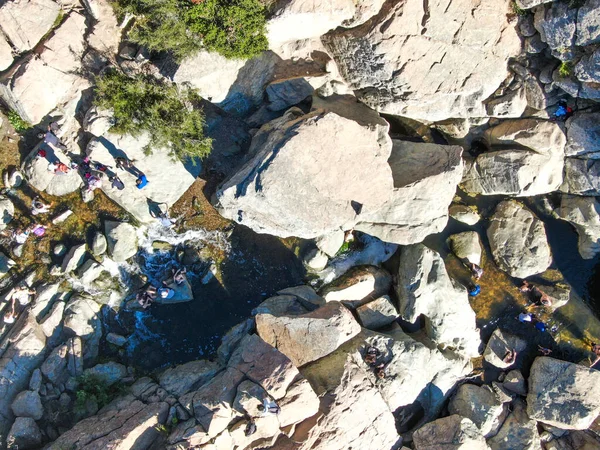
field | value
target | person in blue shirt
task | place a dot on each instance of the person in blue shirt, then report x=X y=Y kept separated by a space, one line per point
x=474 y=290
x=141 y=181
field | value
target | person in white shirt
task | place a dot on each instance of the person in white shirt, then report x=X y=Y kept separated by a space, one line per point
x=22 y=294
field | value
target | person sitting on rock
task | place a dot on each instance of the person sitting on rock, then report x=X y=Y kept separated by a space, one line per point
x=476 y=271
x=268 y=407
x=371 y=355
x=544 y=351
x=22 y=294
x=179 y=275
x=474 y=290
x=510 y=357
x=141 y=182
x=144 y=299
x=250 y=428
x=18 y=235
x=11 y=314
x=563 y=111
x=39 y=207
x=93 y=181
x=50 y=138
x=380 y=371
x=536 y=295
x=115 y=182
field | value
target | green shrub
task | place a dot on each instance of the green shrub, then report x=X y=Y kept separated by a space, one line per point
x=18 y=124
x=233 y=28
x=565 y=69
x=145 y=104
x=93 y=387
x=517 y=9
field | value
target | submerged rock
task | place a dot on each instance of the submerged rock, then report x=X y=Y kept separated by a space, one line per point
x=518 y=240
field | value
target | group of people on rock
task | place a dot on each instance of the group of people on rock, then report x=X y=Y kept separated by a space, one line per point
x=372 y=359
x=93 y=172
x=149 y=293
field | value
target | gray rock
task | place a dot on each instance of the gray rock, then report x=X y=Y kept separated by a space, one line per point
x=518 y=431
x=97 y=121
x=25 y=23
x=385 y=65
x=588 y=23
x=480 y=405
x=425 y=178
x=182 y=293
x=5 y=264
x=515 y=382
x=331 y=243
x=528 y=4
x=466 y=245
x=513 y=102
x=359 y=285
x=562 y=394
x=81 y=318
x=24 y=434
x=122 y=240
x=160 y=188
x=7 y=210
x=584 y=214
x=450 y=433
x=186 y=377
x=35 y=381
x=283 y=305
x=557 y=25
x=6 y=56
x=499 y=344
x=99 y=244
x=300 y=403
x=259 y=194
x=232 y=338
x=116 y=339
x=583 y=130
x=518 y=240
x=534 y=45
x=588 y=68
x=287 y=93
x=52 y=320
x=310 y=336
x=59 y=249
x=75 y=357
x=304 y=293
x=90 y=271
x=28 y=404
x=315 y=259
x=464 y=214
x=248 y=398
x=54 y=367
x=110 y=372
x=425 y=288
x=378 y=313
x=14 y=179
x=74 y=258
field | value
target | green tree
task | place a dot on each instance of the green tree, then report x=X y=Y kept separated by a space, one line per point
x=233 y=28
x=166 y=113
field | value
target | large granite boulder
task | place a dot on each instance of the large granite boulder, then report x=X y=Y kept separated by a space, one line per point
x=378 y=313
x=556 y=24
x=106 y=33
x=480 y=405
x=82 y=319
x=466 y=245
x=584 y=214
x=299 y=403
x=425 y=178
x=359 y=285
x=563 y=394
x=28 y=404
x=518 y=431
x=425 y=288
x=527 y=158
x=24 y=23
x=187 y=377
x=424 y=62
x=121 y=238
x=588 y=23
x=449 y=433
x=582 y=177
x=168 y=178
x=135 y=425
x=73 y=258
x=283 y=190
x=499 y=345
x=583 y=129
x=308 y=337
x=110 y=372
x=518 y=240
x=44 y=82
x=24 y=434
x=37 y=173
x=6 y=56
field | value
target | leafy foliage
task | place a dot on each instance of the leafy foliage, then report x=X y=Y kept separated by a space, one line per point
x=145 y=104
x=233 y=28
x=93 y=387
x=18 y=124
x=517 y=9
x=565 y=69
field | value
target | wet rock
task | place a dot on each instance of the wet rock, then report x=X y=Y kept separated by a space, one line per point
x=133 y=426
x=467 y=246
x=452 y=432
x=264 y=364
x=425 y=178
x=188 y=377
x=211 y=405
x=518 y=431
x=315 y=259
x=425 y=288
x=582 y=135
x=283 y=95
x=42 y=83
x=318 y=206
x=310 y=336
x=99 y=244
x=357 y=286
x=562 y=394
x=464 y=214
x=515 y=382
x=330 y=243
x=110 y=372
x=7 y=210
x=53 y=319
x=81 y=318
x=518 y=240
x=24 y=434
x=385 y=65
x=378 y=313
x=584 y=214
x=116 y=339
x=74 y=258
x=165 y=190
x=25 y=23
x=300 y=403
x=480 y=405
x=499 y=344
x=122 y=241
